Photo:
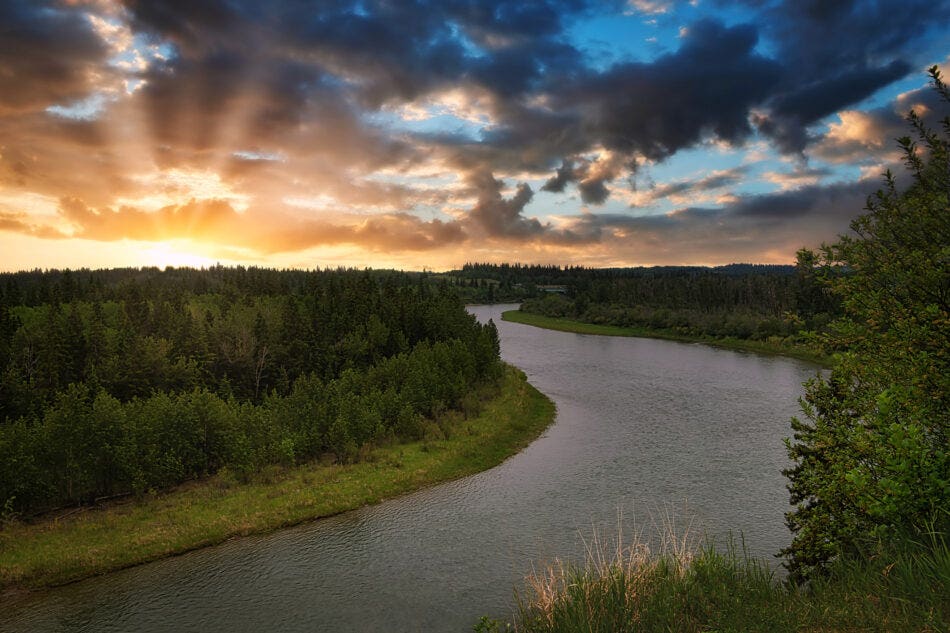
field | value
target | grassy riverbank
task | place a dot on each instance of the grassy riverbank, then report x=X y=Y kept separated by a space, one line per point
x=55 y=550
x=579 y=327
x=902 y=587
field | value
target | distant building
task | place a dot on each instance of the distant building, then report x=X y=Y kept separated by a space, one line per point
x=549 y=288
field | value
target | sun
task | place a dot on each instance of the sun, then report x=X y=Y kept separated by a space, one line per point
x=175 y=254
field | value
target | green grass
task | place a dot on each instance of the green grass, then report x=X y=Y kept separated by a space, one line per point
x=579 y=327
x=900 y=587
x=55 y=551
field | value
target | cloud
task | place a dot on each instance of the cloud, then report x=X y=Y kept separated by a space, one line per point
x=650 y=7
x=680 y=190
x=653 y=109
x=707 y=86
x=752 y=228
x=352 y=104
x=20 y=223
x=198 y=220
x=794 y=111
x=590 y=174
x=834 y=54
x=48 y=56
x=565 y=174
x=215 y=222
x=768 y=227
x=799 y=177
x=498 y=216
x=870 y=136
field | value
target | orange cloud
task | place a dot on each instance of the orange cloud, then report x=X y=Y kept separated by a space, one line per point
x=216 y=222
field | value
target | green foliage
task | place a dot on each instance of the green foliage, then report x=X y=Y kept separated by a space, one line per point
x=752 y=303
x=872 y=454
x=142 y=384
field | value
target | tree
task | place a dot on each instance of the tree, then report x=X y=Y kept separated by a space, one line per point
x=872 y=456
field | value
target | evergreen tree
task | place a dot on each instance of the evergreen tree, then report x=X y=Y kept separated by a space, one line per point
x=872 y=456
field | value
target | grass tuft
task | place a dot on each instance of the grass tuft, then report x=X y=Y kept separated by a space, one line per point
x=688 y=586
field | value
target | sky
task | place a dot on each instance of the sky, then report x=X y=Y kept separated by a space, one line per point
x=423 y=135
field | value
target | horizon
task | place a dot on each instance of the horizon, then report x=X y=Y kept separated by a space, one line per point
x=423 y=270
x=415 y=136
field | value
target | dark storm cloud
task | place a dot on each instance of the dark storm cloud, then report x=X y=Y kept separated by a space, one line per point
x=47 y=55
x=566 y=173
x=793 y=112
x=322 y=69
x=828 y=36
x=837 y=52
x=658 y=108
x=841 y=201
x=188 y=98
x=499 y=218
x=655 y=109
x=195 y=25
x=819 y=99
x=833 y=205
x=382 y=53
x=394 y=51
x=593 y=191
x=516 y=20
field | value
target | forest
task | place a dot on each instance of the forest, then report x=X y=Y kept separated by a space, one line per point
x=124 y=381
x=745 y=301
x=134 y=380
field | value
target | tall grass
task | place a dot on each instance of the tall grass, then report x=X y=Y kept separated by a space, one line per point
x=688 y=584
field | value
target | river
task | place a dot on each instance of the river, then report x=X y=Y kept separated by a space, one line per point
x=643 y=425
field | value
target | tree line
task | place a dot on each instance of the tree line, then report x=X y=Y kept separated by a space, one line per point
x=742 y=301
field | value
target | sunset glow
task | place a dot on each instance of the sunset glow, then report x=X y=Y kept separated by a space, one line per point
x=177 y=255
x=412 y=135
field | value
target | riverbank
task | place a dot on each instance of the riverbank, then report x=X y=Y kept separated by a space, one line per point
x=62 y=549
x=579 y=327
x=901 y=587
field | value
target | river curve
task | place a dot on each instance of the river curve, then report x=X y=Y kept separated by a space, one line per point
x=642 y=425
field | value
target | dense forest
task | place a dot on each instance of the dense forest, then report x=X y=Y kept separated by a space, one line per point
x=746 y=301
x=125 y=381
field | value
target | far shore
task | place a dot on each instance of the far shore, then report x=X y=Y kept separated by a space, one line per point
x=745 y=345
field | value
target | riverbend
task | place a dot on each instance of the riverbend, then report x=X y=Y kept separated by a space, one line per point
x=641 y=424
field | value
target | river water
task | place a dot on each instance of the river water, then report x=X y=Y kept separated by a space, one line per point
x=643 y=426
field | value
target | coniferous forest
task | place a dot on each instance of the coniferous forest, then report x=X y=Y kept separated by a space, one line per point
x=781 y=305
x=133 y=380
